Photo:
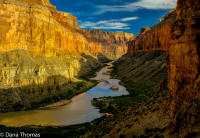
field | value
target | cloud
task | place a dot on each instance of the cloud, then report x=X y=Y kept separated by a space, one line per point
x=104 y=25
x=141 y=4
x=129 y=19
x=109 y=24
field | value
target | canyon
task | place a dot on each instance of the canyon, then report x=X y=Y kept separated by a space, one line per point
x=44 y=51
x=47 y=51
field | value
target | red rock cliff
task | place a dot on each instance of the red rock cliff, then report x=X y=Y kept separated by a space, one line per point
x=183 y=64
x=154 y=38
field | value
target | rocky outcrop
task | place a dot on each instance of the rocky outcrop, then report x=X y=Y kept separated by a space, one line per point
x=154 y=38
x=184 y=67
x=41 y=51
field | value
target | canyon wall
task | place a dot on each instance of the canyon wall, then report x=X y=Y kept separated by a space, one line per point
x=178 y=33
x=37 y=28
x=114 y=44
x=43 y=50
x=154 y=38
x=32 y=25
x=184 y=66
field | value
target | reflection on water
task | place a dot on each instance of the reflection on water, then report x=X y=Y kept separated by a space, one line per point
x=80 y=110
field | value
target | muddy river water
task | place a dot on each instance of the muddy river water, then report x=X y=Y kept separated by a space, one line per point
x=79 y=110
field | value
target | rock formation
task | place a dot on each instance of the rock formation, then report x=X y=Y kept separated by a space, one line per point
x=183 y=65
x=35 y=25
x=114 y=44
x=43 y=50
x=154 y=38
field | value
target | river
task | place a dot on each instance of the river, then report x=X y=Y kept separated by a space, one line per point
x=79 y=110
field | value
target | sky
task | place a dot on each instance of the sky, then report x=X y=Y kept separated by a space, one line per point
x=116 y=15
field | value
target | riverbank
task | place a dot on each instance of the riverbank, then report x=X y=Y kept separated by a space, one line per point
x=55 y=105
x=66 y=94
x=85 y=84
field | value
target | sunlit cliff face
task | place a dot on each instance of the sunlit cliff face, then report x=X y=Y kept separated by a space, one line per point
x=32 y=25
